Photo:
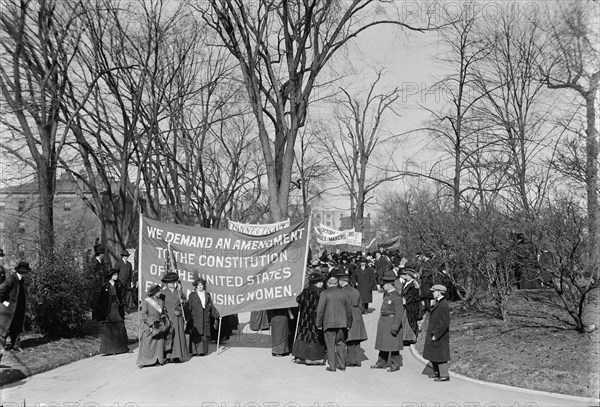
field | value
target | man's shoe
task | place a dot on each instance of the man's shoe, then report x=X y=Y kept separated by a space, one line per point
x=393 y=369
x=376 y=366
x=442 y=379
x=329 y=369
x=433 y=376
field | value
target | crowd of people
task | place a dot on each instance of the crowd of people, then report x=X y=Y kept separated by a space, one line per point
x=329 y=328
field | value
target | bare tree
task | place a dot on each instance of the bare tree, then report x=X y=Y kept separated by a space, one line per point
x=512 y=107
x=356 y=147
x=572 y=61
x=282 y=47
x=38 y=40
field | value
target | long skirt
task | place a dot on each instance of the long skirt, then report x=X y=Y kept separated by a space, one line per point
x=308 y=350
x=114 y=335
x=280 y=332
x=199 y=344
x=178 y=348
x=151 y=350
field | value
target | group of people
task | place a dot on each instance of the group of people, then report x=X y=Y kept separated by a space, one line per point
x=174 y=327
x=331 y=309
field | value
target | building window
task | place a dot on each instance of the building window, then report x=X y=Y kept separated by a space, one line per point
x=21 y=206
x=67 y=206
x=22 y=226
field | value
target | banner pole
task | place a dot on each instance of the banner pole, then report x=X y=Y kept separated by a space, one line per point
x=139 y=282
x=219 y=332
x=308 y=229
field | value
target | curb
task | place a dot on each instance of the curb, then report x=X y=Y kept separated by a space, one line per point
x=420 y=358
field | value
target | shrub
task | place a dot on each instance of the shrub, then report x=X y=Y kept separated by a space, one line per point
x=57 y=292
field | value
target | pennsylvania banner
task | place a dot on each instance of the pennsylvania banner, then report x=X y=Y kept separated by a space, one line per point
x=242 y=272
x=257 y=230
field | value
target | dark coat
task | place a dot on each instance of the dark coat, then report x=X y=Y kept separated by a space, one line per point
x=308 y=300
x=382 y=264
x=125 y=273
x=334 y=309
x=412 y=297
x=390 y=321
x=103 y=302
x=199 y=323
x=357 y=332
x=10 y=290
x=439 y=325
x=366 y=282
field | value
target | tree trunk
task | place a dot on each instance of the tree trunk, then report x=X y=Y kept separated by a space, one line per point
x=591 y=170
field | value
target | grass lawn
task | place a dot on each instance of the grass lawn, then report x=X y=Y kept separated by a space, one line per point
x=534 y=348
x=41 y=354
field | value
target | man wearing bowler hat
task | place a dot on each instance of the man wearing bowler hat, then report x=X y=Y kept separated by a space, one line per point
x=437 y=341
x=13 y=296
x=126 y=278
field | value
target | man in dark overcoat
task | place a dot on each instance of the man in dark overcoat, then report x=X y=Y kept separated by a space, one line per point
x=389 y=340
x=437 y=341
x=365 y=283
x=126 y=278
x=13 y=297
x=382 y=265
x=334 y=317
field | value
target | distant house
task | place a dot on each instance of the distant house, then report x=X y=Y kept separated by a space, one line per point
x=19 y=211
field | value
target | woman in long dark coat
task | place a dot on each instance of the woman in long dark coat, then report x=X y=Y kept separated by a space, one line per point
x=411 y=298
x=437 y=341
x=280 y=331
x=201 y=309
x=151 y=350
x=309 y=346
x=110 y=309
x=174 y=300
x=366 y=282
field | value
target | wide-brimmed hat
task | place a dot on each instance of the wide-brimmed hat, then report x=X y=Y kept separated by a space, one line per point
x=342 y=273
x=333 y=273
x=389 y=277
x=170 y=277
x=315 y=277
x=22 y=267
x=438 y=287
x=153 y=290
x=124 y=253
x=112 y=273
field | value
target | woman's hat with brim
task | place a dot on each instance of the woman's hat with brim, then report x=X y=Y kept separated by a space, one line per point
x=112 y=273
x=199 y=280
x=315 y=277
x=125 y=253
x=153 y=290
x=170 y=277
x=389 y=277
x=22 y=267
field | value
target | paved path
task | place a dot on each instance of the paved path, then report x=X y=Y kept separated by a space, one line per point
x=243 y=373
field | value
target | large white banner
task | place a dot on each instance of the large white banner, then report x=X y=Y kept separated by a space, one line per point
x=328 y=236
